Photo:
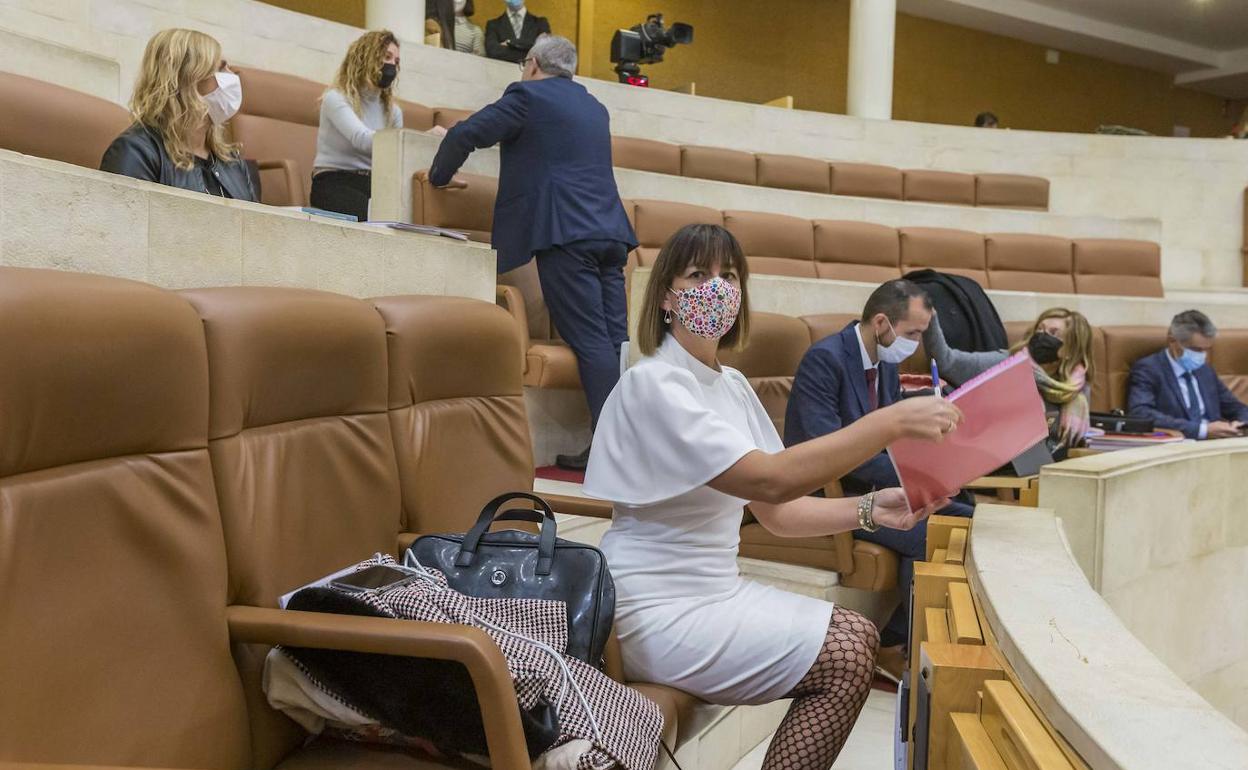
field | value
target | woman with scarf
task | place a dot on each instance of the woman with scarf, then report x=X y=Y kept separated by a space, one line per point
x=1060 y=346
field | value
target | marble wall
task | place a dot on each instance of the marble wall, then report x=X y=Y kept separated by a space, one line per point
x=1161 y=535
x=1114 y=697
x=1194 y=187
x=55 y=215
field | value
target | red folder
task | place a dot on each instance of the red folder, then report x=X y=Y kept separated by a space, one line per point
x=1003 y=417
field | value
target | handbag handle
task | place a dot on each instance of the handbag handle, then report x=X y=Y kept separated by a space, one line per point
x=489 y=515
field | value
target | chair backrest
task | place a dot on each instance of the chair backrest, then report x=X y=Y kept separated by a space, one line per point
x=112 y=559
x=856 y=251
x=775 y=244
x=770 y=359
x=278 y=121
x=1014 y=191
x=1122 y=346
x=867 y=180
x=1118 y=267
x=825 y=324
x=655 y=221
x=48 y=121
x=645 y=155
x=959 y=252
x=470 y=209
x=1018 y=262
x=938 y=186
x=718 y=164
x=456 y=407
x=1230 y=360
x=790 y=172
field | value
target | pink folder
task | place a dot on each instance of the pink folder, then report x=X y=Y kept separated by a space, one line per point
x=1003 y=417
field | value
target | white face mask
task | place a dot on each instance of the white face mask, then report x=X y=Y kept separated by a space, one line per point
x=900 y=349
x=224 y=102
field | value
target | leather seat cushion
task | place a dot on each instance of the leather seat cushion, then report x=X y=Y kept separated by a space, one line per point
x=552 y=366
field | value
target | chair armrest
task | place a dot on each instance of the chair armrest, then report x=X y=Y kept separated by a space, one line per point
x=510 y=298
x=578 y=506
x=469 y=646
x=294 y=185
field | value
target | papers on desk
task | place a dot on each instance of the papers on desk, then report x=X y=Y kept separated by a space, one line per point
x=1003 y=417
x=1109 y=442
x=422 y=229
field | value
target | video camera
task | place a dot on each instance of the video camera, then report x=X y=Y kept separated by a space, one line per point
x=645 y=44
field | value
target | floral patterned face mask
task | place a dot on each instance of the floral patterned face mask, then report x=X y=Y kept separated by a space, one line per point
x=709 y=309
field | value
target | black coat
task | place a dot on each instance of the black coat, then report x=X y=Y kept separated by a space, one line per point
x=140 y=153
x=499 y=31
x=967 y=317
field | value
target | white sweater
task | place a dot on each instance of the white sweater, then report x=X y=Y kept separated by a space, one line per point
x=344 y=139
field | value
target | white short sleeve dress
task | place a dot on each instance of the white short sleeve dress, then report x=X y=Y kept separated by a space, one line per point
x=685 y=616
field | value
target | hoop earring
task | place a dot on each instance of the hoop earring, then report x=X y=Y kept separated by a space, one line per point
x=667 y=317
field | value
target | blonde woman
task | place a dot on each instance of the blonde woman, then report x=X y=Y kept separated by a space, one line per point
x=184 y=95
x=1060 y=346
x=359 y=104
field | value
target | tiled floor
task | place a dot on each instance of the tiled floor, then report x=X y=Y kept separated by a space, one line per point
x=870 y=745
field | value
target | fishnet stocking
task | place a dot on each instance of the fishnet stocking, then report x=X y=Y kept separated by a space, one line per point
x=828 y=698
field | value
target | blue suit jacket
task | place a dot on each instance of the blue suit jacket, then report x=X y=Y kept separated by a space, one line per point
x=1154 y=392
x=556 y=184
x=830 y=392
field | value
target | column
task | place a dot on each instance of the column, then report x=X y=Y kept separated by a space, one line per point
x=872 y=28
x=405 y=18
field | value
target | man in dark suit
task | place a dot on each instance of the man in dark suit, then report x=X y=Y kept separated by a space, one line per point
x=510 y=36
x=842 y=378
x=1179 y=390
x=557 y=201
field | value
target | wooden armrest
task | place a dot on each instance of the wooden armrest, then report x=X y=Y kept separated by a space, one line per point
x=294 y=185
x=578 y=506
x=510 y=298
x=469 y=646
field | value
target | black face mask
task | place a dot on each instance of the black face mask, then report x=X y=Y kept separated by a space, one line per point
x=1043 y=347
x=388 y=73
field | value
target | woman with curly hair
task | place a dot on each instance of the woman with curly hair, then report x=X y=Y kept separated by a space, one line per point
x=182 y=99
x=359 y=104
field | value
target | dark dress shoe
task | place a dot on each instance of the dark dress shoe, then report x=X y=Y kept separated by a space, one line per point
x=575 y=462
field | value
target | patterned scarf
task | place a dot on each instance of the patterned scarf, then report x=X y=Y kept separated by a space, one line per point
x=1072 y=396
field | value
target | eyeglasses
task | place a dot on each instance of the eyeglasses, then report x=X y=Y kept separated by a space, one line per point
x=525 y=63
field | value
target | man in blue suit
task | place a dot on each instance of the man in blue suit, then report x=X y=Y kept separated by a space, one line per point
x=557 y=201
x=1179 y=390
x=840 y=379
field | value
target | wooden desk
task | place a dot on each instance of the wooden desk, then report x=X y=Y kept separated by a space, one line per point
x=1025 y=489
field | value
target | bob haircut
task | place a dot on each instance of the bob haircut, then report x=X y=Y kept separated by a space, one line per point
x=703 y=246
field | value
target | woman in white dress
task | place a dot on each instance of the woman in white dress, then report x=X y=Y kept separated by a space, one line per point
x=681 y=446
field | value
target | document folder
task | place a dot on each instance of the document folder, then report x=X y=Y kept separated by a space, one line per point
x=1003 y=416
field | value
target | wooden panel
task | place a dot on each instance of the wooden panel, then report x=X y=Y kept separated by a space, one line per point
x=955 y=552
x=930 y=586
x=955 y=674
x=938 y=530
x=970 y=748
x=1016 y=732
x=963 y=622
x=937 y=625
x=939 y=556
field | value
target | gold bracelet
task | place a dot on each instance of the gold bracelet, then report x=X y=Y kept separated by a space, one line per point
x=866 y=507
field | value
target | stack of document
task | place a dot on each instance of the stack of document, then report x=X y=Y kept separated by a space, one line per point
x=1109 y=442
x=1003 y=417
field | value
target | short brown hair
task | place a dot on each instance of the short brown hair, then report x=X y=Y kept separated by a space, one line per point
x=703 y=246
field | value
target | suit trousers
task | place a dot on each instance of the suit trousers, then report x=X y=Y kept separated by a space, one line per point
x=911 y=546
x=583 y=283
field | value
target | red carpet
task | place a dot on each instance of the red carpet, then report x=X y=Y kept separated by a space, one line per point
x=555 y=473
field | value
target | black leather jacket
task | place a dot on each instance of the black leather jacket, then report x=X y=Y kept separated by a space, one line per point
x=140 y=153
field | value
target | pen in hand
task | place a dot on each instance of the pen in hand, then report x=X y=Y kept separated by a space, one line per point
x=936 y=381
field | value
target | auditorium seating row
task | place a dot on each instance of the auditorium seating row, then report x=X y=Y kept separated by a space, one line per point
x=791 y=172
x=965 y=709
x=278 y=121
x=173 y=462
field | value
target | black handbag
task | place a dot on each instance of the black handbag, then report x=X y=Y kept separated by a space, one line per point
x=520 y=565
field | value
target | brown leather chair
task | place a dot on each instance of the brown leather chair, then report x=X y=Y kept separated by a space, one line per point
x=790 y=172
x=775 y=244
x=718 y=164
x=1013 y=191
x=276 y=127
x=856 y=251
x=1117 y=267
x=106 y=473
x=959 y=252
x=1018 y=262
x=447 y=117
x=867 y=180
x=48 y=121
x=645 y=155
x=1123 y=346
x=469 y=210
x=1230 y=360
x=938 y=186
x=769 y=361
x=655 y=221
